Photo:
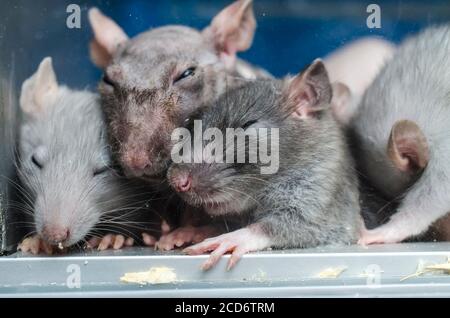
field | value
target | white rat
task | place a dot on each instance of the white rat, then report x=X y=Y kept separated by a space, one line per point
x=64 y=164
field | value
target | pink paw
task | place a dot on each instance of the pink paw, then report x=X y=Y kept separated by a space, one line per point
x=381 y=235
x=237 y=243
x=34 y=245
x=115 y=241
x=185 y=235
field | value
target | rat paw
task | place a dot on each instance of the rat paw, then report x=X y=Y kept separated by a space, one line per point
x=34 y=245
x=185 y=235
x=148 y=239
x=114 y=241
x=380 y=235
x=237 y=243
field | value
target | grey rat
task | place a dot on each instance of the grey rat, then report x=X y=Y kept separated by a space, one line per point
x=311 y=200
x=64 y=164
x=400 y=130
x=157 y=79
x=152 y=82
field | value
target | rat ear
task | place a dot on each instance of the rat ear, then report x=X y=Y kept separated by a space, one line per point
x=309 y=92
x=408 y=147
x=341 y=103
x=40 y=89
x=107 y=37
x=232 y=30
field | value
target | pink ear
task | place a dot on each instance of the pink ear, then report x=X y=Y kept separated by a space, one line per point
x=232 y=30
x=408 y=147
x=107 y=37
x=310 y=91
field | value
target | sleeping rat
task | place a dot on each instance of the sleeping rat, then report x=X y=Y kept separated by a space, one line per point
x=401 y=135
x=157 y=79
x=309 y=198
x=64 y=164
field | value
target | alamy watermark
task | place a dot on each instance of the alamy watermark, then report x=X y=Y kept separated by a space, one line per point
x=252 y=145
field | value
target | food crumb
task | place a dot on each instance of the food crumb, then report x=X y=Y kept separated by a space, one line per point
x=332 y=272
x=423 y=269
x=156 y=275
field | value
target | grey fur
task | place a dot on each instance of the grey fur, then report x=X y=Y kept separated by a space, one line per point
x=68 y=141
x=414 y=85
x=311 y=200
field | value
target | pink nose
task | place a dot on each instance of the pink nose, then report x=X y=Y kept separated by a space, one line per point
x=137 y=162
x=183 y=183
x=55 y=234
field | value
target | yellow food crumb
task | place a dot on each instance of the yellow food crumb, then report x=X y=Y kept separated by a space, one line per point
x=156 y=275
x=422 y=269
x=332 y=272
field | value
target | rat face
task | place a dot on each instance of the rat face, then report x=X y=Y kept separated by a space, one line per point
x=221 y=185
x=274 y=120
x=64 y=159
x=154 y=81
x=146 y=93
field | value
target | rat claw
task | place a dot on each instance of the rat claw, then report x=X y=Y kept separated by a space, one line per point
x=129 y=241
x=34 y=245
x=216 y=255
x=148 y=239
x=235 y=257
x=165 y=227
x=118 y=242
x=185 y=235
x=105 y=242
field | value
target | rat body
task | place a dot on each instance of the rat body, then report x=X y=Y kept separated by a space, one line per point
x=64 y=163
x=400 y=131
x=311 y=199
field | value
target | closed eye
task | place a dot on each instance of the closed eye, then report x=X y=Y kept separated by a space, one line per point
x=188 y=72
x=249 y=123
x=36 y=162
x=101 y=171
x=108 y=81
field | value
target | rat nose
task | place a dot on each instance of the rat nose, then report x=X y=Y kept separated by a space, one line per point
x=137 y=162
x=55 y=234
x=183 y=183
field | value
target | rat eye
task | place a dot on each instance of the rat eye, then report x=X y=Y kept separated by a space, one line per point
x=36 y=162
x=107 y=80
x=101 y=171
x=188 y=72
x=249 y=123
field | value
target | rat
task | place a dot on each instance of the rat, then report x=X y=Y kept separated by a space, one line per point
x=153 y=81
x=399 y=132
x=309 y=198
x=157 y=79
x=65 y=167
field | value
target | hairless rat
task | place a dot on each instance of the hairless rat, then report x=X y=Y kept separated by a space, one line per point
x=64 y=164
x=153 y=81
x=401 y=135
x=312 y=199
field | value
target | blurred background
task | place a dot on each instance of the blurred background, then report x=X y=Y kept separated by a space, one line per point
x=290 y=34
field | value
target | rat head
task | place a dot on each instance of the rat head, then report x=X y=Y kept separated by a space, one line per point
x=63 y=158
x=152 y=82
x=249 y=137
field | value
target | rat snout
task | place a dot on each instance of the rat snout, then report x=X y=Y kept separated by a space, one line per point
x=182 y=182
x=137 y=161
x=55 y=234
